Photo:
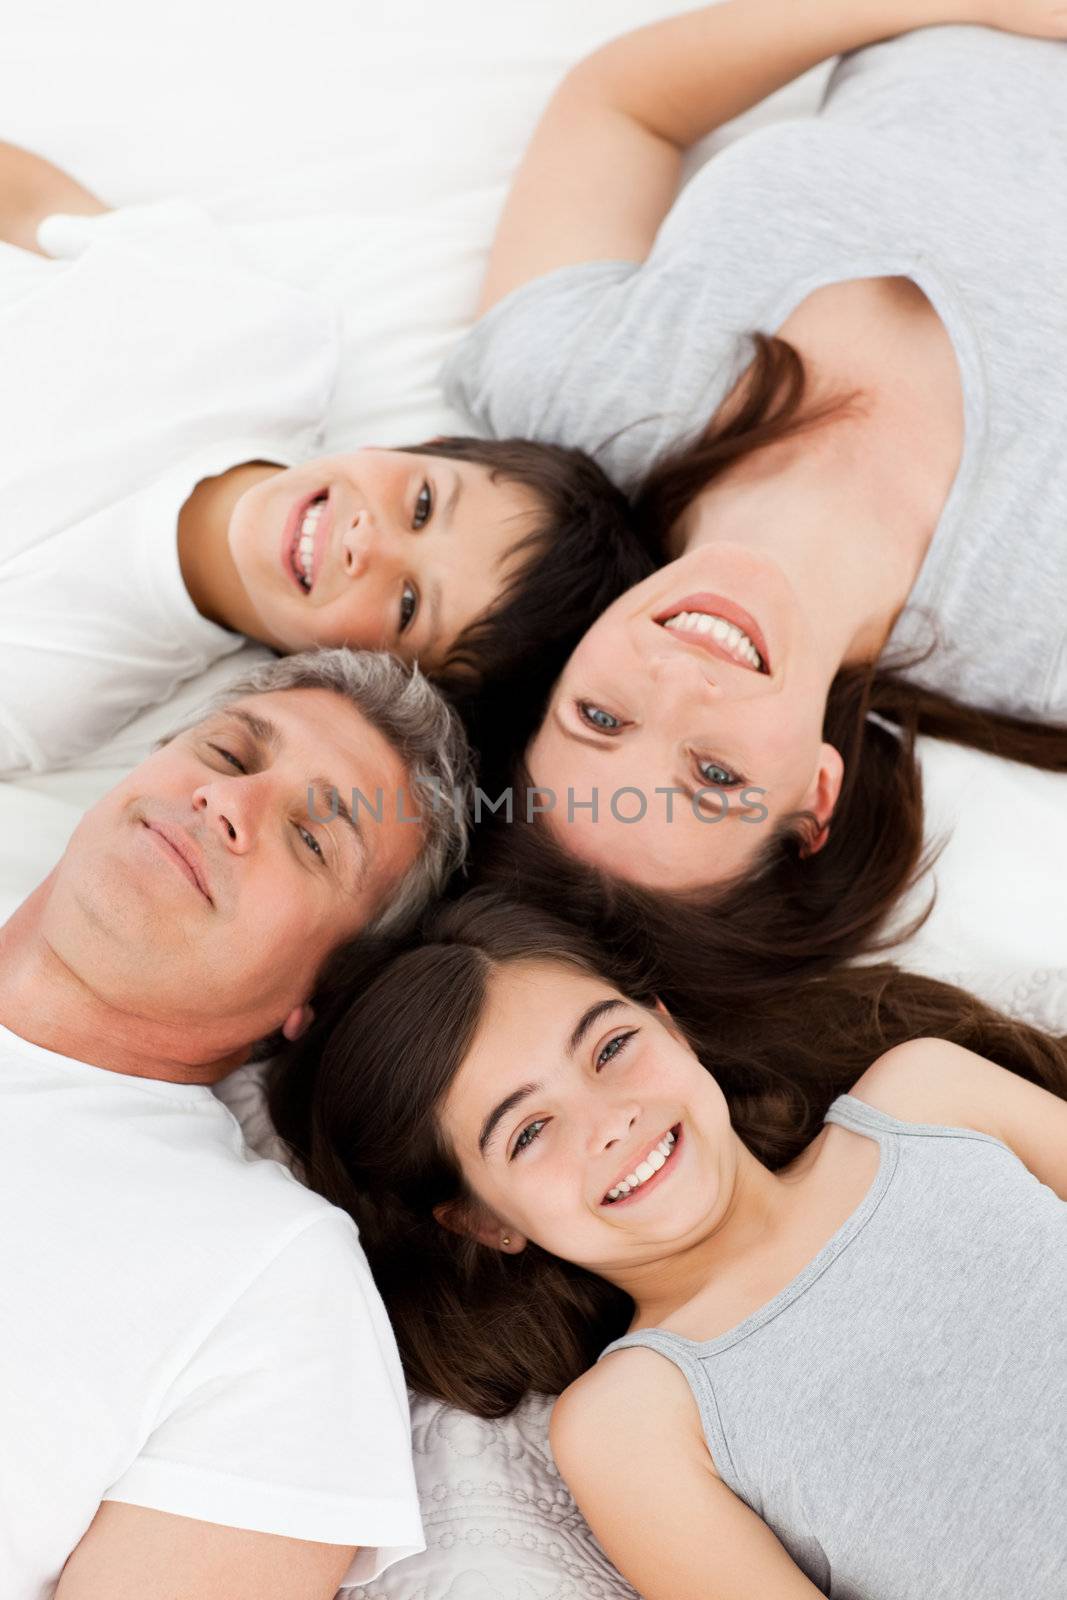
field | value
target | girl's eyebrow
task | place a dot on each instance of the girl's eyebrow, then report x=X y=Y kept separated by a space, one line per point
x=589 y=1016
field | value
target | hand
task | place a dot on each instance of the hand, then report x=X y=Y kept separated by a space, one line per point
x=1036 y=19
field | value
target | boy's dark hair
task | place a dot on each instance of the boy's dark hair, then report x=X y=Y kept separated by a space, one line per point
x=580 y=555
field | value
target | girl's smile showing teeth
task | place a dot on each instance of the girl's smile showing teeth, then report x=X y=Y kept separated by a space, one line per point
x=646 y=1170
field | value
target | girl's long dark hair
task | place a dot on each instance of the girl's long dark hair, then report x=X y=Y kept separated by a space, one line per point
x=357 y=1101
x=792 y=912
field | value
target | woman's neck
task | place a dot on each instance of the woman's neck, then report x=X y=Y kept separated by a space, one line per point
x=848 y=507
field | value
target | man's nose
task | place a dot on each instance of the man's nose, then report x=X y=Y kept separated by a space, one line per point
x=232 y=809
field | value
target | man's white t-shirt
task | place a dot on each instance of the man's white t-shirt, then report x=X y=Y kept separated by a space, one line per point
x=183 y=1326
x=149 y=357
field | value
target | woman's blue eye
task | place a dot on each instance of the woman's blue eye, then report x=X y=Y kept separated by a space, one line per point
x=527 y=1137
x=597 y=717
x=409 y=603
x=718 y=776
x=614 y=1047
x=423 y=507
x=310 y=840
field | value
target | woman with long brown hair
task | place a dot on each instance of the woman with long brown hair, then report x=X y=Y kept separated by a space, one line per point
x=830 y=375
x=824 y=1216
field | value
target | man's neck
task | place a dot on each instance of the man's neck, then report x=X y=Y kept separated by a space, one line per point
x=44 y=1001
x=207 y=565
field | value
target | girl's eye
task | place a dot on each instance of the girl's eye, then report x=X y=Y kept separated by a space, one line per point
x=527 y=1137
x=409 y=604
x=597 y=717
x=613 y=1048
x=423 y=507
x=310 y=840
x=228 y=755
x=718 y=776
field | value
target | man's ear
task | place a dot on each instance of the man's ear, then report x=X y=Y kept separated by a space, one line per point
x=822 y=794
x=472 y=1221
x=297 y=1022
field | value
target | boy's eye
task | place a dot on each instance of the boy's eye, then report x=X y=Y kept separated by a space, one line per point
x=409 y=604
x=423 y=507
x=597 y=717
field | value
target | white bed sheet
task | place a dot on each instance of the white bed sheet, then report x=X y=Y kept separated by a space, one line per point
x=364 y=149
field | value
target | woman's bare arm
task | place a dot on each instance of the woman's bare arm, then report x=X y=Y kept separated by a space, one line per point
x=31 y=188
x=602 y=168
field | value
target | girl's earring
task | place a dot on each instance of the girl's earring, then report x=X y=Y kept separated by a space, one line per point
x=505 y=1240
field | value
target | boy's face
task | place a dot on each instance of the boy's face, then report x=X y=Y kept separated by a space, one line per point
x=378 y=550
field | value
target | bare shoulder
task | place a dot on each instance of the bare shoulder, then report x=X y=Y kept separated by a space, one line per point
x=634 y=1392
x=933 y=1081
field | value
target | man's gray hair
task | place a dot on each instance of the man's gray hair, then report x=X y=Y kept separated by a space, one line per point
x=421 y=727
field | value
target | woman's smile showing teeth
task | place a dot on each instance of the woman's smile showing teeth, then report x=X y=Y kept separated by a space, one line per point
x=719 y=626
x=646 y=1171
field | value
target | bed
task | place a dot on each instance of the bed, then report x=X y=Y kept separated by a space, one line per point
x=363 y=149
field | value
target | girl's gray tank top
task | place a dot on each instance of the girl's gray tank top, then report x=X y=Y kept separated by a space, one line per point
x=898 y=1414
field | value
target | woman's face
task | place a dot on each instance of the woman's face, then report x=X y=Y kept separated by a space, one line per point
x=585 y=1123
x=702 y=690
x=379 y=549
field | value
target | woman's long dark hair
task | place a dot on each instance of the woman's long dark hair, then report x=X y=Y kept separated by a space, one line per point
x=357 y=1100
x=791 y=911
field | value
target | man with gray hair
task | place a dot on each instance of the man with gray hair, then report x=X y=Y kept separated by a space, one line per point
x=199 y=1388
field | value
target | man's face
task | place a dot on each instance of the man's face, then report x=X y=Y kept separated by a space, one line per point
x=204 y=893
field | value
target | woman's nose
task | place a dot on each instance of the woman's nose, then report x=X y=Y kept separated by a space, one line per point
x=678 y=674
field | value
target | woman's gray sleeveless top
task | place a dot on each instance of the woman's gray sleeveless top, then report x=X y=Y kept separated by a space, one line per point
x=898 y=1414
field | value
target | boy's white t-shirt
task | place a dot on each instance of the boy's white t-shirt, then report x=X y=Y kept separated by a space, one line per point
x=183 y=1326
x=149 y=357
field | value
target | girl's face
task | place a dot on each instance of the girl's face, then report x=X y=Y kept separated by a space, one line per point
x=702 y=678
x=583 y=1122
x=379 y=550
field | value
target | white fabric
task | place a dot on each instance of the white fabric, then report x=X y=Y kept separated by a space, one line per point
x=150 y=360
x=184 y=1327
x=366 y=148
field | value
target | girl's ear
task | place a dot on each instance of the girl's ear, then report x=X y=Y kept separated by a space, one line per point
x=472 y=1221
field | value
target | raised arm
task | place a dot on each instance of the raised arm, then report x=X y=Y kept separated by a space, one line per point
x=627 y=1439
x=132 y=1553
x=31 y=188
x=602 y=168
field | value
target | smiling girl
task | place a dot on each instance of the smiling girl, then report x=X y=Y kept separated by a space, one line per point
x=823 y=1317
x=164 y=495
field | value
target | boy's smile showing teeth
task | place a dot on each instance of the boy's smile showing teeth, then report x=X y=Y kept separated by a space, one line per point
x=636 y=1179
